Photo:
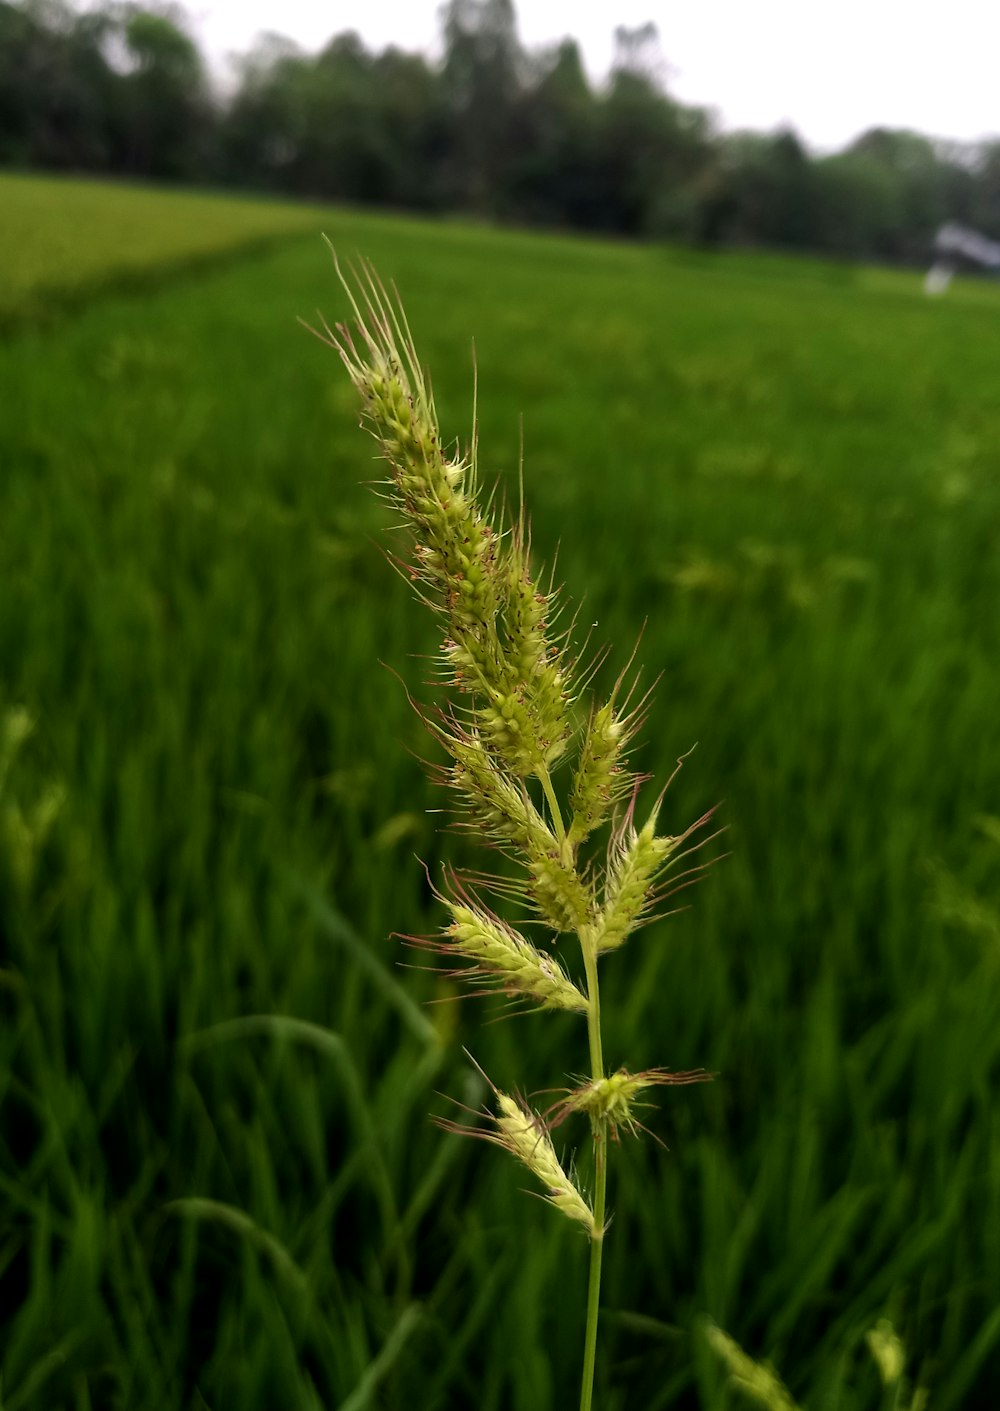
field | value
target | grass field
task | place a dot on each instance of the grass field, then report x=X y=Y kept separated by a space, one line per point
x=218 y=1183
x=63 y=241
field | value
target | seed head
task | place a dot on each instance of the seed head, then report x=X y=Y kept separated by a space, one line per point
x=757 y=1379
x=600 y=781
x=499 y=805
x=522 y=1132
x=502 y=958
x=887 y=1349
x=496 y=648
x=630 y=889
x=611 y=1101
x=504 y=813
x=561 y=897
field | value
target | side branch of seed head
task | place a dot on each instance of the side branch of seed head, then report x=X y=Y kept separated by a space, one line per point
x=611 y=1101
x=498 y=957
x=522 y=1132
x=634 y=880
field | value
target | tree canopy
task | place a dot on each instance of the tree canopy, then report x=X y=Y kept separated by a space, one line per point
x=491 y=129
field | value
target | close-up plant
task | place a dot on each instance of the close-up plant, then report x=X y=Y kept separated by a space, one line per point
x=537 y=766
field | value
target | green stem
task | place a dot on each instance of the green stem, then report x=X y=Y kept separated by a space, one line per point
x=565 y=846
x=600 y=1179
x=597 y=1126
x=552 y=801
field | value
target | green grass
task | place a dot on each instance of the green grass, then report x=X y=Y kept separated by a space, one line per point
x=61 y=241
x=218 y=1183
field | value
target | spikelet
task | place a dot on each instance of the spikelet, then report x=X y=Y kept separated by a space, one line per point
x=600 y=781
x=504 y=813
x=610 y=1101
x=503 y=959
x=635 y=860
x=562 y=898
x=521 y=1132
x=499 y=805
x=886 y=1346
x=757 y=1379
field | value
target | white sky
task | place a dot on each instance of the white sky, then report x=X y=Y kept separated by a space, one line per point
x=829 y=70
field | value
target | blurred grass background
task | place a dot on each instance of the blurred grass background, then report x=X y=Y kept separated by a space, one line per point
x=64 y=238
x=218 y=1181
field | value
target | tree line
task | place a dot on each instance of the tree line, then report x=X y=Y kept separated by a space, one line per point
x=490 y=129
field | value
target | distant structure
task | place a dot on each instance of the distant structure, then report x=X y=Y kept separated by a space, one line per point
x=957 y=247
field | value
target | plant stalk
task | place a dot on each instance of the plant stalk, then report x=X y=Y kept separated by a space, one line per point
x=600 y=1178
x=550 y=798
x=589 y=950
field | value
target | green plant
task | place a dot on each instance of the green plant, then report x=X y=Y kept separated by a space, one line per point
x=759 y=1382
x=512 y=719
x=510 y=723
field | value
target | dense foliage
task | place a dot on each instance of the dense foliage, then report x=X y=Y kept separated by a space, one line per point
x=219 y=1185
x=491 y=129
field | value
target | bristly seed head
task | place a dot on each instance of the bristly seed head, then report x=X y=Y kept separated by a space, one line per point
x=505 y=814
x=495 y=644
x=522 y=1133
x=601 y=781
x=610 y=1101
x=757 y=1379
x=503 y=959
x=634 y=876
x=635 y=862
x=510 y=723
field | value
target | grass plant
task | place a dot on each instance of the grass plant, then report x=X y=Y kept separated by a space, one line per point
x=509 y=724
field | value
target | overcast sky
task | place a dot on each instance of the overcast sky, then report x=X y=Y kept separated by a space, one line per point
x=830 y=70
